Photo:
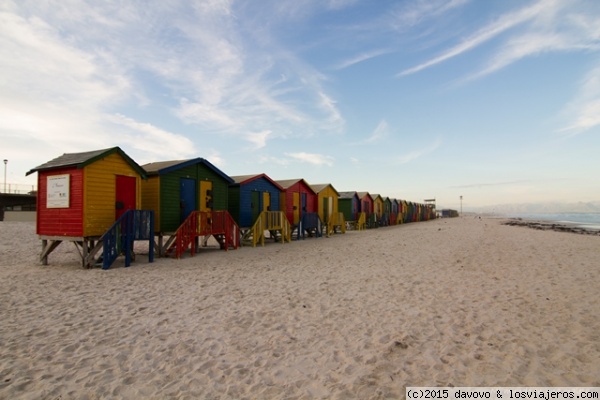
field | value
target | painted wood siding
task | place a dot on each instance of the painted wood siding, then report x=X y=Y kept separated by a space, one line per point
x=310 y=199
x=349 y=206
x=170 y=207
x=151 y=198
x=61 y=221
x=378 y=206
x=287 y=203
x=99 y=185
x=260 y=185
x=220 y=188
x=234 y=203
x=327 y=192
x=366 y=205
x=164 y=196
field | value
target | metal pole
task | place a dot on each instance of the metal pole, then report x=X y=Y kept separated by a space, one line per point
x=5 y=162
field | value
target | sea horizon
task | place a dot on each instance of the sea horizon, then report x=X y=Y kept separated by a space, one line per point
x=582 y=220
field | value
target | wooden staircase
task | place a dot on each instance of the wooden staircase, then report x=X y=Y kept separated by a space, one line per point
x=361 y=222
x=119 y=238
x=218 y=224
x=274 y=222
x=336 y=224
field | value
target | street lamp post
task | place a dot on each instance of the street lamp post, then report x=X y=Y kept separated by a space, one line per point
x=461 y=205
x=5 y=162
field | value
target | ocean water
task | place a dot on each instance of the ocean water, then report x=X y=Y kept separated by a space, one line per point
x=583 y=220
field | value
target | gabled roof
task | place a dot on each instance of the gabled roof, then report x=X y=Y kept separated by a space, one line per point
x=81 y=160
x=320 y=186
x=157 y=168
x=244 y=179
x=374 y=196
x=287 y=183
x=363 y=194
x=165 y=167
x=348 y=195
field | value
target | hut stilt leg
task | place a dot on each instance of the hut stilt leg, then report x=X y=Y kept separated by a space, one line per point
x=48 y=248
x=85 y=252
x=44 y=258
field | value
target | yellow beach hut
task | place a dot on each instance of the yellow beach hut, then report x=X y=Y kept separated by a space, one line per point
x=327 y=207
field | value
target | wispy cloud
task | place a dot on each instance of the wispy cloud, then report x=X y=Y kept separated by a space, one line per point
x=361 y=58
x=415 y=154
x=498 y=27
x=379 y=133
x=151 y=139
x=259 y=139
x=312 y=158
x=413 y=13
x=72 y=69
x=583 y=112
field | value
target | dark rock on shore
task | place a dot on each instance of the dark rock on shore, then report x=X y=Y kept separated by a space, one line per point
x=552 y=226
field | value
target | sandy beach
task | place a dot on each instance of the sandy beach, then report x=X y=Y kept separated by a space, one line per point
x=449 y=302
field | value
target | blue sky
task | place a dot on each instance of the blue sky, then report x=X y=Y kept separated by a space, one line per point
x=497 y=101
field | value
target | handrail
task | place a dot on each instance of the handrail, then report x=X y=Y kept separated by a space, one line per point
x=361 y=222
x=132 y=225
x=205 y=223
x=334 y=220
x=271 y=221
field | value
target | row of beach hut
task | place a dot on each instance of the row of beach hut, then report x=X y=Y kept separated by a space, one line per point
x=103 y=201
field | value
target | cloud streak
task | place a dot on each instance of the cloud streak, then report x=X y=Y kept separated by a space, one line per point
x=381 y=131
x=583 y=112
x=192 y=61
x=415 y=154
x=312 y=158
x=361 y=58
x=484 y=35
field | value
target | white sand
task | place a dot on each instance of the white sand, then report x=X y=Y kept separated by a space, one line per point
x=463 y=302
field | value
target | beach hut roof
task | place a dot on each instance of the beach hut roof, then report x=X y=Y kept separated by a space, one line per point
x=81 y=160
x=320 y=186
x=363 y=194
x=347 y=195
x=243 y=179
x=287 y=183
x=164 y=167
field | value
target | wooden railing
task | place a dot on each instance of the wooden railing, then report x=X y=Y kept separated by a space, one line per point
x=272 y=221
x=118 y=239
x=336 y=221
x=361 y=221
x=219 y=224
x=399 y=218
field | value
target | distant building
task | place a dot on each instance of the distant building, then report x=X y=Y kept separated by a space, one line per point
x=448 y=213
x=16 y=202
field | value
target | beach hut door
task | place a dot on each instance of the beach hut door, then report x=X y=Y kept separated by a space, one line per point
x=206 y=196
x=296 y=207
x=266 y=201
x=326 y=208
x=124 y=194
x=187 y=197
